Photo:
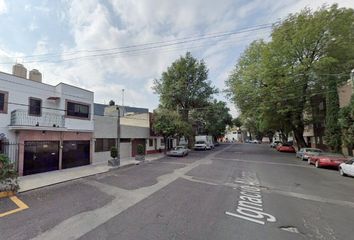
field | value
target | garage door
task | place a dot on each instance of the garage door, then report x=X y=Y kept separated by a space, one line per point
x=75 y=153
x=40 y=156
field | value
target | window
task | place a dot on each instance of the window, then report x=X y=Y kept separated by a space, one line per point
x=125 y=140
x=104 y=144
x=151 y=142
x=3 y=102
x=162 y=143
x=35 y=106
x=78 y=110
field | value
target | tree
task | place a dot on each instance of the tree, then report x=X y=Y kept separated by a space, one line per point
x=333 y=135
x=273 y=82
x=237 y=122
x=184 y=86
x=215 y=118
x=346 y=121
x=169 y=124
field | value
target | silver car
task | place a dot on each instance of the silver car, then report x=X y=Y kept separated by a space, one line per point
x=305 y=153
x=179 y=151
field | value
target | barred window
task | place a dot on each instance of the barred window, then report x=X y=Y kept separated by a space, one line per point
x=104 y=144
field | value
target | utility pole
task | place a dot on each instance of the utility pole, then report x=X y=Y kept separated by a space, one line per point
x=118 y=134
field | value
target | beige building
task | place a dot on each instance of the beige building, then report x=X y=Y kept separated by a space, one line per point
x=345 y=92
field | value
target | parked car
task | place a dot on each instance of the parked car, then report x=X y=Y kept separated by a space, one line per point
x=274 y=144
x=327 y=159
x=305 y=153
x=285 y=148
x=347 y=168
x=255 y=141
x=179 y=151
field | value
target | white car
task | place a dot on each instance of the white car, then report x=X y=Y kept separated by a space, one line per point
x=347 y=168
x=179 y=151
x=305 y=153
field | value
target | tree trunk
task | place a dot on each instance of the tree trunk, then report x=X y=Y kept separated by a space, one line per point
x=299 y=137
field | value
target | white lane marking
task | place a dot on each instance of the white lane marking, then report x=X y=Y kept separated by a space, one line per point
x=82 y=223
x=250 y=203
x=244 y=217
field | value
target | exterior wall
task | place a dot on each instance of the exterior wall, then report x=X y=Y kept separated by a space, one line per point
x=345 y=92
x=156 y=147
x=134 y=127
x=105 y=127
x=134 y=132
x=28 y=135
x=20 y=90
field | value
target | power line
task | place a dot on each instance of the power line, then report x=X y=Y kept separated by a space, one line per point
x=177 y=40
x=163 y=45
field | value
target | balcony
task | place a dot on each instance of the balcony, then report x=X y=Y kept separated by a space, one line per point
x=20 y=119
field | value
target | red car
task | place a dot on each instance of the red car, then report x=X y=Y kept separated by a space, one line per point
x=327 y=160
x=285 y=148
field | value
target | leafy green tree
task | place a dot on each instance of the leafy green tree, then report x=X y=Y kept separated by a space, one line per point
x=346 y=121
x=215 y=118
x=237 y=122
x=185 y=86
x=168 y=123
x=273 y=82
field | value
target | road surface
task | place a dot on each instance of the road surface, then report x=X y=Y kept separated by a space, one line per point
x=236 y=191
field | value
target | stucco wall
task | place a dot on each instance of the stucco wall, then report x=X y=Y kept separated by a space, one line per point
x=20 y=90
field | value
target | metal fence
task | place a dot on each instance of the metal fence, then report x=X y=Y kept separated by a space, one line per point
x=11 y=151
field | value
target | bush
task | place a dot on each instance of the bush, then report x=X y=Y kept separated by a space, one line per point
x=140 y=149
x=8 y=175
x=114 y=152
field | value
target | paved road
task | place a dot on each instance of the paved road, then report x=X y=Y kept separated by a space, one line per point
x=237 y=191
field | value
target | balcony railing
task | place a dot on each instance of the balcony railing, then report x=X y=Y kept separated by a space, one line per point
x=20 y=117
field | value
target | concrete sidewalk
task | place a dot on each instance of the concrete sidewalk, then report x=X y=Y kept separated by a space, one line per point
x=39 y=180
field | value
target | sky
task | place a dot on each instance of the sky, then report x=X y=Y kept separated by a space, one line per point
x=107 y=46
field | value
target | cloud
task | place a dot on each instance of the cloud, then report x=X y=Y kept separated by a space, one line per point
x=94 y=24
x=3 y=7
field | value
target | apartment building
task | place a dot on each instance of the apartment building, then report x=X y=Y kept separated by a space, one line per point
x=52 y=126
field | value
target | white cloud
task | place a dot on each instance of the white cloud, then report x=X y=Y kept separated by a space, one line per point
x=3 y=7
x=93 y=26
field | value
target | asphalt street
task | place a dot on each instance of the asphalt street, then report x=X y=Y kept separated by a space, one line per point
x=236 y=191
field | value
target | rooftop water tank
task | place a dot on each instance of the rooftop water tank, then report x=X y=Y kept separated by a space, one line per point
x=19 y=70
x=35 y=75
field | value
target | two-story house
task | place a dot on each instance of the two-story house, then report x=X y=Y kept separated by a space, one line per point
x=51 y=125
x=134 y=129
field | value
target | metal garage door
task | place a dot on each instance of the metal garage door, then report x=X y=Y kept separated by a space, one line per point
x=75 y=153
x=40 y=156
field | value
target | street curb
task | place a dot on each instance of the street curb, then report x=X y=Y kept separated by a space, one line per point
x=6 y=194
x=77 y=178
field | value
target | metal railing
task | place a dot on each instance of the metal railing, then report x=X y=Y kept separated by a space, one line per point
x=20 y=117
x=11 y=151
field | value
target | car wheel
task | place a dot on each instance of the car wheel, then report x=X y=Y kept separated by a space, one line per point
x=341 y=172
x=317 y=164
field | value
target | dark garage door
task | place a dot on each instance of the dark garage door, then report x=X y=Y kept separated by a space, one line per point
x=40 y=157
x=75 y=153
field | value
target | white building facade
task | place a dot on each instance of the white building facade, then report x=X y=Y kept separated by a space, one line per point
x=52 y=126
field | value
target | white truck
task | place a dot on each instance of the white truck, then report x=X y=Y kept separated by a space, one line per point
x=203 y=142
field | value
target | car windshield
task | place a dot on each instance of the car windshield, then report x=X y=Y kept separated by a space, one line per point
x=200 y=142
x=179 y=147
